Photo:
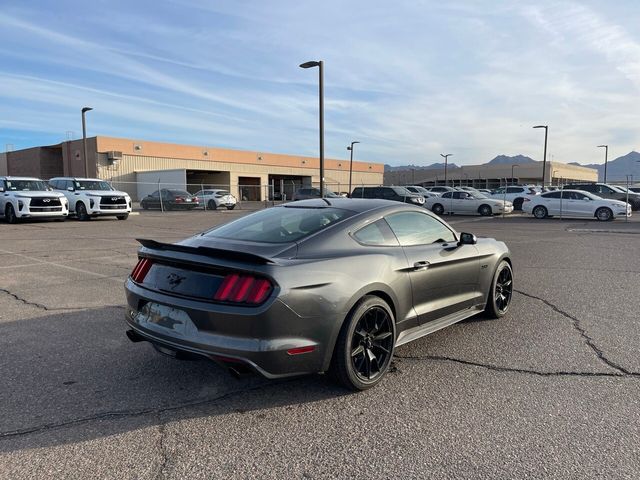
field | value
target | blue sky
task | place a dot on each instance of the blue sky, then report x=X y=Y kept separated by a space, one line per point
x=408 y=79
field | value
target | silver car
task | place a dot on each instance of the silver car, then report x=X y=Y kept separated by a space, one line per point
x=314 y=286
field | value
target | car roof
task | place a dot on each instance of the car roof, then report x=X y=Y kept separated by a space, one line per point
x=20 y=178
x=79 y=178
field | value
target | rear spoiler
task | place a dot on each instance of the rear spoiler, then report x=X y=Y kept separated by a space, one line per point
x=206 y=252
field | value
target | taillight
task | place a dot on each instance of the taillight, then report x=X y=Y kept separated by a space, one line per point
x=141 y=270
x=246 y=289
x=179 y=199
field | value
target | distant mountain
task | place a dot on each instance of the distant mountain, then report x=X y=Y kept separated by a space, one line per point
x=389 y=168
x=507 y=160
x=618 y=169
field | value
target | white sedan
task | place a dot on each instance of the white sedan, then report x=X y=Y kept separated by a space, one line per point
x=214 y=198
x=467 y=203
x=576 y=203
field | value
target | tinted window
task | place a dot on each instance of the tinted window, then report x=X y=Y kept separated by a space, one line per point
x=377 y=233
x=551 y=195
x=414 y=228
x=27 y=185
x=89 y=185
x=155 y=194
x=515 y=190
x=280 y=225
x=605 y=189
x=389 y=193
x=446 y=195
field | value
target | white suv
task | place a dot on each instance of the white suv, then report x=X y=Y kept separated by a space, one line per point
x=26 y=197
x=92 y=197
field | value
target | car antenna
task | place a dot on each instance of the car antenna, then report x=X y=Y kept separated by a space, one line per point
x=327 y=201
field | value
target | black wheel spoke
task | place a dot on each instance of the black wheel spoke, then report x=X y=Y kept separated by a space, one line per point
x=372 y=343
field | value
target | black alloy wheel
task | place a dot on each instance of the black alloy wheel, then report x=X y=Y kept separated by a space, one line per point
x=501 y=291
x=540 y=212
x=81 y=212
x=437 y=209
x=10 y=214
x=144 y=205
x=485 y=210
x=365 y=345
x=212 y=205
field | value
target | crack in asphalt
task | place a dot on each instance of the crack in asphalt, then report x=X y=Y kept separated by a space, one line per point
x=133 y=413
x=162 y=448
x=52 y=309
x=497 y=368
x=583 y=333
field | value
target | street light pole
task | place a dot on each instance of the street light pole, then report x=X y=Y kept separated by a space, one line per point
x=350 y=148
x=606 y=155
x=320 y=66
x=544 y=156
x=512 y=178
x=445 y=156
x=84 y=139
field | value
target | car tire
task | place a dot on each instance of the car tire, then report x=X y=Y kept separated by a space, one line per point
x=437 y=209
x=212 y=205
x=540 y=212
x=144 y=205
x=501 y=291
x=485 y=210
x=123 y=217
x=231 y=207
x=517 y=203
x=81 y=212
x=604 y=214
x=364 y=348
x=10 y=214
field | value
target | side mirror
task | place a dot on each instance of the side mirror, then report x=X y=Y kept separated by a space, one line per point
x=467 y=239
x=1 y=189
x=70 y=189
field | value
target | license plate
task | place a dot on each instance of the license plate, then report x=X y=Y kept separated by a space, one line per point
x=163 y=319
x=188 y=199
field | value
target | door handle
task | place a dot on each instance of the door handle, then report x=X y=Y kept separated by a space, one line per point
x=423 y=265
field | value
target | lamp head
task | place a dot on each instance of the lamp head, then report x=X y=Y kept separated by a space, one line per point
x=309 y=64
x=86 y=109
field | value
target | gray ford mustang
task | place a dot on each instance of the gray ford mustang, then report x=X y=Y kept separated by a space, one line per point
x=324 y=285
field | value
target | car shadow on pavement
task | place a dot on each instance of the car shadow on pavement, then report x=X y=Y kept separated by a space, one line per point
x=74 y=376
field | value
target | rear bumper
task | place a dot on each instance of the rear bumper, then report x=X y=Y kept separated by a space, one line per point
x=259 y=338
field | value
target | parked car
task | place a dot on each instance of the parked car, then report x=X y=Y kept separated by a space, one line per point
x=291 y=290
x=169 y=199
x=214 y=198
x=398 y=194
x=576 y=203
x=27 y=197
x=467 y=203
x=604 y=190
x=485 y=191
x=92 y=197
x=306 y=193
x=516 y=194
x=634 y=188
x=417 y=189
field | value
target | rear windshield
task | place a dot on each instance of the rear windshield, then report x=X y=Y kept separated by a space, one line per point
x=280 y=224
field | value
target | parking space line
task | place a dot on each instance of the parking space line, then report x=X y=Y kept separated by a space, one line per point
x=46 y=262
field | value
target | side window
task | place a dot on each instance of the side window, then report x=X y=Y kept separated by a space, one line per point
x=552 y=195
x=388 y=193
x=66 y=184
x=415 y=228
x=446 y=195
x=376 y=234
x=155 y=194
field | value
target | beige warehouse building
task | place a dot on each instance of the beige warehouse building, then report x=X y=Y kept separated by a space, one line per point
x=495 y=175
x=138 y=167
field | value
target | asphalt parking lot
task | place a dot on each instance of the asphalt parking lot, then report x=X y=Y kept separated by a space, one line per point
x=550 y=391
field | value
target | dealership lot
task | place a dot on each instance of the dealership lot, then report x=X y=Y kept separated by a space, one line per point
x=550 y=391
